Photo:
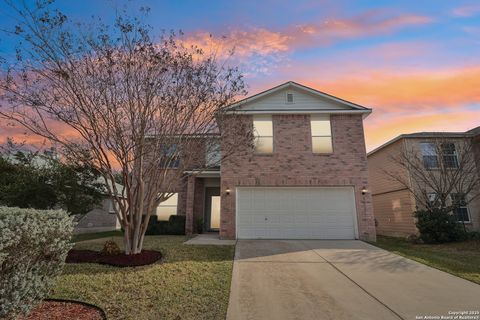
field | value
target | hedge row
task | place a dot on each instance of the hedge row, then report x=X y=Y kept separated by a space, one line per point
x=174 y=225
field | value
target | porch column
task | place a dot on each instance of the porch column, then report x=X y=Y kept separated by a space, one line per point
x=190 y=205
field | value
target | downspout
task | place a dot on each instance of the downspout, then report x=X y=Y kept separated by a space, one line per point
x=412 y=198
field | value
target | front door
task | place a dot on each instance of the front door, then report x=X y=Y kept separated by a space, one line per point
x=212 y=209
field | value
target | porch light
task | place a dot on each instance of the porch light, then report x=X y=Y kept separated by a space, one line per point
x=227 y=191
x=364 y=190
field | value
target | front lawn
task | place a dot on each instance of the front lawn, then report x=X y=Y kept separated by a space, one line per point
x=459 y=258
x=96 y=235
x=192 y=282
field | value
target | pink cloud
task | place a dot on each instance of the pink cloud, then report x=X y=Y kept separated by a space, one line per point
x=261 y=41
x=246 y=43
x=467 y=11
x=392 y=51
x=380 y=130
x=367 y=24
x=475 y=31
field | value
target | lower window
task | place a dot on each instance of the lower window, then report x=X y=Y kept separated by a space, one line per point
x=460 y=207
x=167 y=208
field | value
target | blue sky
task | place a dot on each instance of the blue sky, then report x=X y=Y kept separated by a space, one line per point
x=416 y=63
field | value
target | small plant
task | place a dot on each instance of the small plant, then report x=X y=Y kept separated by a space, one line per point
x=413 y=238
x=438 y=225
x=199 y=225
x=111 y=248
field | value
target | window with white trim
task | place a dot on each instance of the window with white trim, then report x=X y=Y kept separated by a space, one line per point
x=263 y=131
x=112 y=204
x=111 y=207
x=167 y=208
x=460 y=209
x=449 y=155
x=429 y=154
x=169 y=157
x=213 y=155
x=433 y=199
x=321 y=133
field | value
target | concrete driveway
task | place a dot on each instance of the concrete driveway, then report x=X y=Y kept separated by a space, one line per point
x=346 y=279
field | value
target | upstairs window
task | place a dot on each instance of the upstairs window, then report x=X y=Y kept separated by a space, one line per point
x=169 y=156
x=263 y=131
x=213 y=154
x=429 y=154
x=167 y=208
x=449 y=155
x=460 y=209
x=321 y=134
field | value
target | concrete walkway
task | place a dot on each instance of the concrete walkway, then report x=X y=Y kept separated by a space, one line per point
x=330 y=279
x=209 y=239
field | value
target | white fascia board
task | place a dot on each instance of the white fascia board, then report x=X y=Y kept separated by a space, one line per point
x=365 y=112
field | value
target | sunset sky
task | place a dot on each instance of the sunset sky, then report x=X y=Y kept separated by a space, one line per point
x=416 y=63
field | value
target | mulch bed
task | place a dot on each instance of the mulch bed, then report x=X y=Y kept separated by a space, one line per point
x=63 y=310
x=144 y=258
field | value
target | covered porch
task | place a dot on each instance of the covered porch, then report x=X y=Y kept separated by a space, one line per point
x=203 y=202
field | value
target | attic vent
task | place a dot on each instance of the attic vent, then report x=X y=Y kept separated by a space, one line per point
x=289 y=97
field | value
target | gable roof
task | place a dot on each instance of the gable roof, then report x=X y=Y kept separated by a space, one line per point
x=428 y=135
x=347 y=106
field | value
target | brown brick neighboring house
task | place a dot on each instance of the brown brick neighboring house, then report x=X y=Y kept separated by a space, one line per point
x=306 y=177
x=393 y=204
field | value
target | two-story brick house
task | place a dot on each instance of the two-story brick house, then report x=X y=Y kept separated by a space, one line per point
x=393 y=203
x=305 y=178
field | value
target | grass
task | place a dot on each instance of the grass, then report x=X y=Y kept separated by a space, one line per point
x=459 y=258
x=98 y=235
x=192 y=282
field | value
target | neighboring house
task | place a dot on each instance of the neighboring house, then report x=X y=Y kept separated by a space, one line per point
x=101 y=218
x=393 y=204
x=306 y=177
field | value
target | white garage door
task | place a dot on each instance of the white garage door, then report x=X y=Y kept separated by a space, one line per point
x=296 y=213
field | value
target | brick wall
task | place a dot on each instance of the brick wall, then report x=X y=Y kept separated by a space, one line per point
x=293 y=164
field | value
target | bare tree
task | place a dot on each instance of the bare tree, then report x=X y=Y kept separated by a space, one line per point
x=435 y=170
x=118 y=99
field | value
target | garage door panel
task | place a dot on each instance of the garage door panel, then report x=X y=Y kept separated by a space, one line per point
x=258 y=219
x=335 y=219
x=245 y=219
x=295 y=213
x=286 y=218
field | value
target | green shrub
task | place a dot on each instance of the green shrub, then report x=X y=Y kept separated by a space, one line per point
x=438 y=226
x=33 y=247
x=174 y=226
x=199 y=225
x=473 y=235
x=152 y=225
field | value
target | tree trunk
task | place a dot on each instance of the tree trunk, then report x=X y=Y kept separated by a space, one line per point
x=126 y=240
x=133 y=240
